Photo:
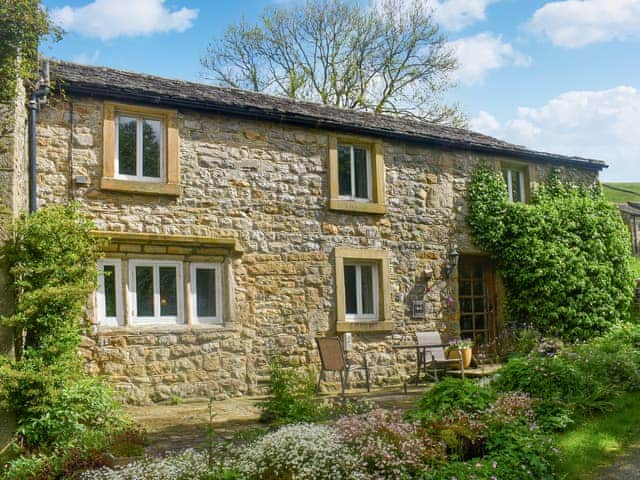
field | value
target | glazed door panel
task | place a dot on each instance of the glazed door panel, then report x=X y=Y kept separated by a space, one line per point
x=476 y=293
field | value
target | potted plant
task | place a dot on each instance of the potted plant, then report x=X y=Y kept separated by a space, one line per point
x=461 y=348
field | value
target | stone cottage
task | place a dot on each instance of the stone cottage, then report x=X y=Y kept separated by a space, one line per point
x=243 y=225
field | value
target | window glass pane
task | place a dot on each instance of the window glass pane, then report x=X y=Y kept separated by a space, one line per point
x=151 y=141
x=127 y=145
x=481 y=323
x=360 y=170
x=516 y=194
x=168 y=292
x=109 y=281
x=144 y=291
x=465 y=287
x=205 y=292
x=465 y=305
x=366 y=276
x=350 y=289
x=344 y=169
x=466 y=322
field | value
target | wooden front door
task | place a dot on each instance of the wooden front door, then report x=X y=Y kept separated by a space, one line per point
x=477 y=297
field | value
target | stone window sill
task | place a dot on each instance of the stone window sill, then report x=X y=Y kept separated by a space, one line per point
x=162 y=329
x=144 y=188
x=357 y=207
x=342 y=327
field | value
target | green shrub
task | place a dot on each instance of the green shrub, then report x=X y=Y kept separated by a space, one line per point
x=564 y=258
x=452 y=394
x=290 y=395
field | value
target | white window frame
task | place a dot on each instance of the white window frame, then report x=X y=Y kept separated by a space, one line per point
x=362 y=317
x=353 y=175
x=100 y=303
x=140 y=148
x=521 y=189
x=157 y=318
x=218 y=292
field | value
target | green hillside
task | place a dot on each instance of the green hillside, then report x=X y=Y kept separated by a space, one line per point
x=622 y=192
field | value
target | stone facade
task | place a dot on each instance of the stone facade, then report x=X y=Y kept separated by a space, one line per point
x=13 y=200
x=265 y=185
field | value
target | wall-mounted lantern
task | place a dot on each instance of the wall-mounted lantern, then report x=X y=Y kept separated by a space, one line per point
x=452 y=262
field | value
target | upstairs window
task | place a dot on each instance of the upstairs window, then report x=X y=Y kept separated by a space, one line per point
x=354 y=172
x=516 y=180
x=140 y=148
x=356 y=175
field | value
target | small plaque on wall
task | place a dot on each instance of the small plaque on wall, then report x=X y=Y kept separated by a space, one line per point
x=418 y=309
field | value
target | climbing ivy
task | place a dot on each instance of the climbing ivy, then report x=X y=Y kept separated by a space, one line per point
x=23 y=23
x=564 y=257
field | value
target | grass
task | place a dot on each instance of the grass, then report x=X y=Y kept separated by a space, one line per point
x=613 y=192
x=596 y=441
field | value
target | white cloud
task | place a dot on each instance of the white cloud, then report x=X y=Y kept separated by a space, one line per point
x=458 y=14
x=107 y=19
x=576 y=23
x=593 y=124
x=479 y=54
x=87 y=58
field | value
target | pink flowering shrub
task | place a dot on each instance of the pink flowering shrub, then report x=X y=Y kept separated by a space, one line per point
x=388 y=446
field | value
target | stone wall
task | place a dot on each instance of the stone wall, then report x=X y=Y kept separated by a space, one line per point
x=13 y=200
x=266 y=186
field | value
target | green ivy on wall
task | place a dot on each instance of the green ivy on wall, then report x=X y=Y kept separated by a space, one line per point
x=564 y=257
x=22 y=24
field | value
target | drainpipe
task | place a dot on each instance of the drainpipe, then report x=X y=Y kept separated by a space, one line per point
x=38 y=97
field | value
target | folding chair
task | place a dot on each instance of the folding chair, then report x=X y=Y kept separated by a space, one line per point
x=334 y=359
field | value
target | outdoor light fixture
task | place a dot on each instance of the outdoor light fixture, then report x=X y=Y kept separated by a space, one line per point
x=452 y=262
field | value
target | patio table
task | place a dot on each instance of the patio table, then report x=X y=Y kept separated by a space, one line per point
x=421 y=356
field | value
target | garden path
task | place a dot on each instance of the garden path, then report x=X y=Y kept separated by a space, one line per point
x=176 y=427
x=626 y=466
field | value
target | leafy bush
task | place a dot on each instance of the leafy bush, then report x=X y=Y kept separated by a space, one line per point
x=301 y=452
x=290 y=395
x=389 y=447
x=564 y=258
x=452 y=394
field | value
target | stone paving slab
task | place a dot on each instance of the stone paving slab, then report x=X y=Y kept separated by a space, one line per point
x=176 y=427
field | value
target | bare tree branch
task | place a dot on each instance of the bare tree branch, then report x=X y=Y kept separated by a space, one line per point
x=389 y=57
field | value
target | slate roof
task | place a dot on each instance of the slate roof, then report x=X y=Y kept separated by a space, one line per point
x=631 y=208
x=127 y=86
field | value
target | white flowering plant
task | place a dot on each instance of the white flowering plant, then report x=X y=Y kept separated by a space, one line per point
x=300 y=452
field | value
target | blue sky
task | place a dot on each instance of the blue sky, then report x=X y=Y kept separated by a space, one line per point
x=560 y=76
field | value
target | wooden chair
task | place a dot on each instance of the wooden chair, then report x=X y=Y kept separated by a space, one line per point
x=334 y=359
x=433 y=357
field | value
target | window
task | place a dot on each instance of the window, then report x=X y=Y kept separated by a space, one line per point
x=516 y=181
x=108 y=296
x=362 y=290
x=156 y=291
x=354 y=172
x=140 y=150
x=140 y=153
x=356 y=175
x=206 y=292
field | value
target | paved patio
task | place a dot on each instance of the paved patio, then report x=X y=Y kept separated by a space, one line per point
x=175 y=427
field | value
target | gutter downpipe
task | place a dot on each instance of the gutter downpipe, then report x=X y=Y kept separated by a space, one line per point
x=38 y=97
